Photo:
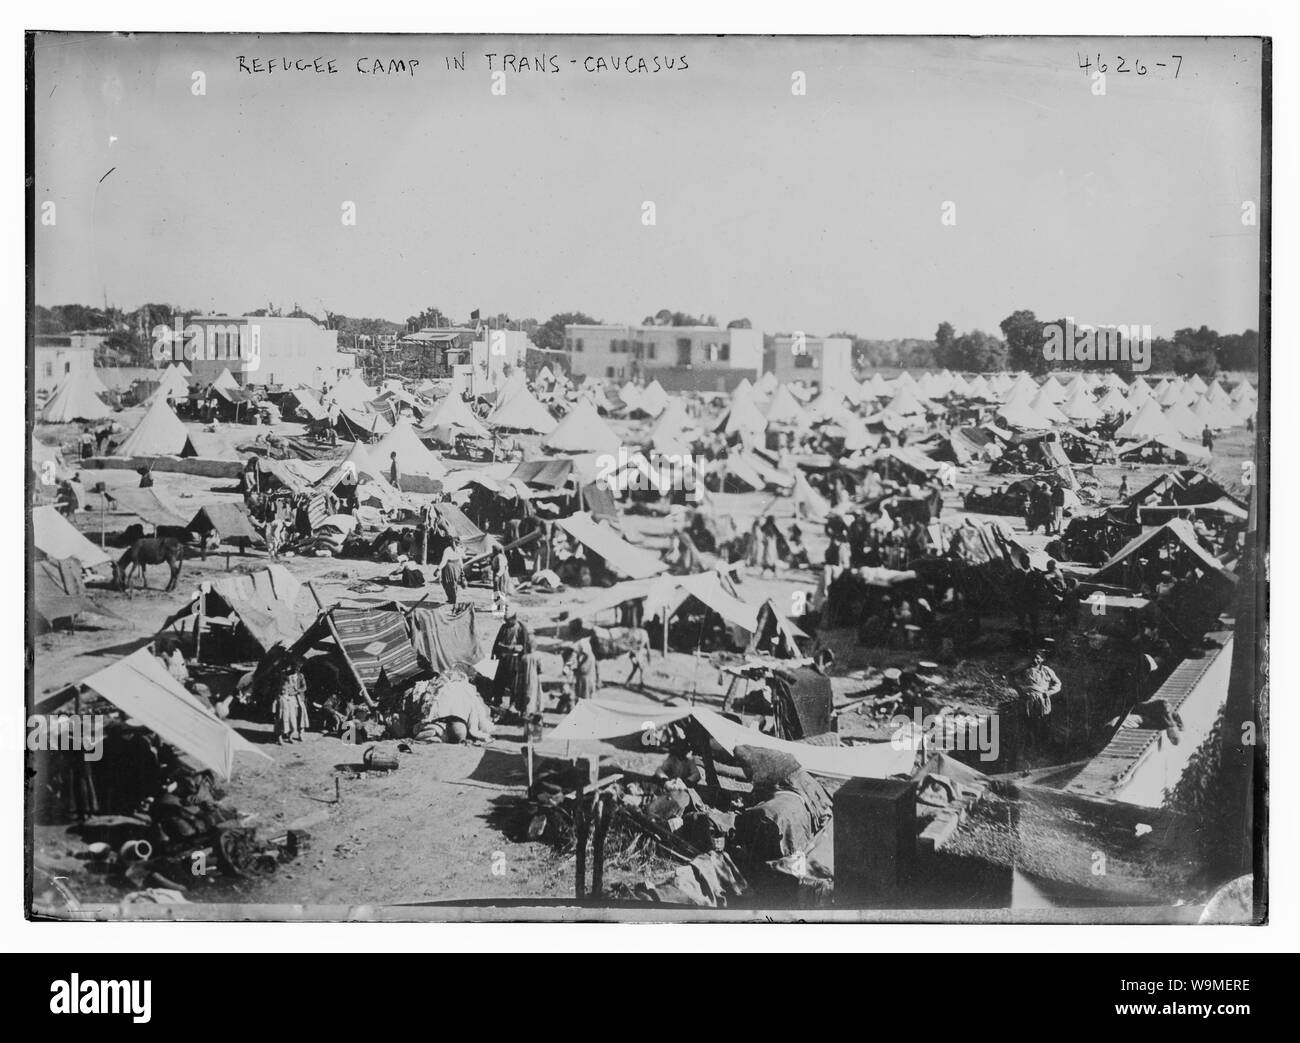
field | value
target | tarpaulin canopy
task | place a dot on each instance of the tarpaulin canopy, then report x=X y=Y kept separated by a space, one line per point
x=451 y=636
x=374 y=641
x=619 y=555
x=263 y=601
x=59 y=591
x=597 y=720
x=228 y=521
x=55 y=537
x=145 y=505
x=141 y=687
x=1177 y=529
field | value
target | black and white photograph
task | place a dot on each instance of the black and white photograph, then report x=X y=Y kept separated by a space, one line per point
x=647 y=478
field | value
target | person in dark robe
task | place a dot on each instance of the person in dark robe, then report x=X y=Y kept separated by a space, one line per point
x=512 y=649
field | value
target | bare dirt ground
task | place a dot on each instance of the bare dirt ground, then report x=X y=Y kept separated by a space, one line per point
x=436 y=829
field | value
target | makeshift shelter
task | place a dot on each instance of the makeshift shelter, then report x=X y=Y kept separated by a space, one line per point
x=582 y=431
x=260 y=607
x=74 y=399
x=613 y=722
x=303 y=402
x=358 y=425
x=59 y=591
x=146 y=505
x=521 y=412
x=228 y=522
x=1177 y=535
x=55 y=538
x=141 y=687
x=619 y=556
x=1186 y=488
x=373 y=643
x=159 y=433
x=452 y=637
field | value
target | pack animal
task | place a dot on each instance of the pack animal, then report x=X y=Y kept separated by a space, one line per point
x=152 y=550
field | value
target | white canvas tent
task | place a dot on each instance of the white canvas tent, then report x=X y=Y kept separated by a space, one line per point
x=73 y=400
x=55 y=537
x=583 y=431
x=159 y=433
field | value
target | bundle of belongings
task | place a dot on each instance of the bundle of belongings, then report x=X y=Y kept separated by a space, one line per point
x=448 y=709
x=785 y=831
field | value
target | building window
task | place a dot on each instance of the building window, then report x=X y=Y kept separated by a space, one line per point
x=803 y=362
x=650 y=350
x=683 y=351
x=67 y=367
x=579 y=345
x=724 y=351
x=609 y=371
x=568 y=343
x=49 y=369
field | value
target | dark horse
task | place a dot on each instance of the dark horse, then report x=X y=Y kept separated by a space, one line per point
x=153 y=550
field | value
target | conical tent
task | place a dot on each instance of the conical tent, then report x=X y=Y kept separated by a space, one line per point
x=1113 y=401
x=674 y=431
x=1196 y=383
x=829 y=405
x=1078 y=405
x=767 y=383
x=452 y=415
x=1001 y=383
x=958 y=385
x=74 y=400
x=1179 y=418
x=905 y=403
x=94 y=378
x=583 y=431
x=653 y=398
x=413 y=456
x=1172 y=393
x=631 y=395
x=783 y=409
x=522 y=412
x=743 y=418
x=1147 y=422
x=352 y=392
x=978 y=387
x=1244 y=390
x=1042 y=404
x=1213 y=414
x=1216 y=395
x=1138 y=393
x=172 y=384
x=875 y=387
x=226 y=381
x=1022 y=384
x=516 y=383
x=1019 y=413
x=159 y=433
x=183 y=370
x=1052 y=390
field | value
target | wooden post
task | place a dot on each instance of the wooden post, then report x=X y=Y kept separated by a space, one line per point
x=581 y=825
x=198 y=628
x=604 y=812
x=310 y=586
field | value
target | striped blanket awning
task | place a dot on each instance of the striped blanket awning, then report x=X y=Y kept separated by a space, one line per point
x=317 y=511
x=376 y=643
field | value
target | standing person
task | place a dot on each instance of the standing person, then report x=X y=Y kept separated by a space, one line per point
x=1037 y=683
x=1123 y=488
x=1207 y=438
x=87 y=441
x=274 y=536
x=512 y=650
x=586 y=670
x=639 y=655
x=394 y=474
x=500 y=578
x=769 y=549
x=452 y=572
x=1058 y=507
x=290 y=705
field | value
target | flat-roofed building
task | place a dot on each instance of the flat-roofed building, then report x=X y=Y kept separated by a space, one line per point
x=261 y=349
x=59 y=355
x=702 y=358
x=816 y=361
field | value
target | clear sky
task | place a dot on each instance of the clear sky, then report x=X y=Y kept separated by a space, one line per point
x=819 y=212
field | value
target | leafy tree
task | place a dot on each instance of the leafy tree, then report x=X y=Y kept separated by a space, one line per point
x=550 y=334
x=740 y=324
x=1024 y=336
